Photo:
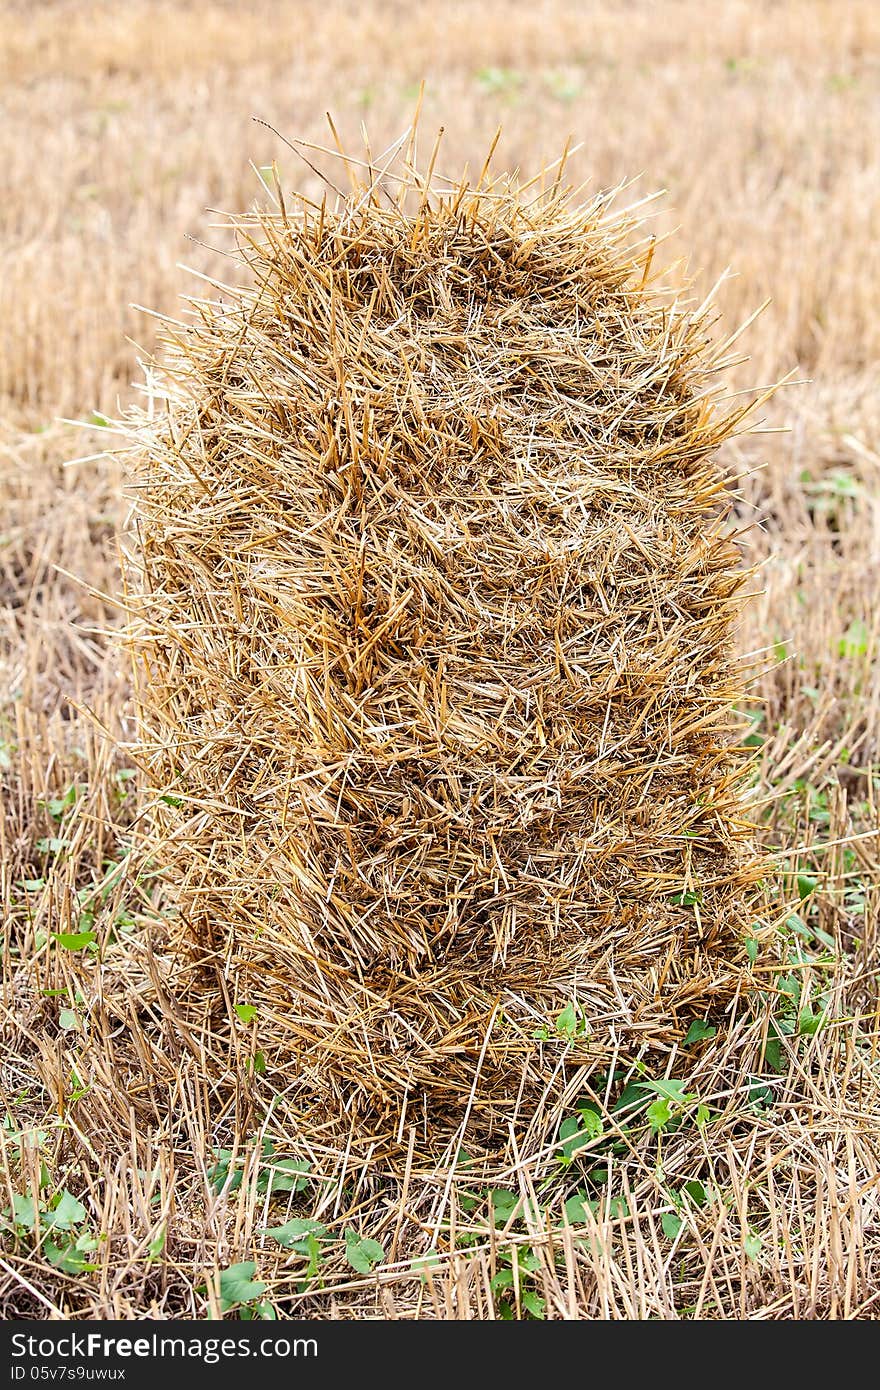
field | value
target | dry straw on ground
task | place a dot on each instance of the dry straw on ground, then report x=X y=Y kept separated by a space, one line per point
x=433 y=646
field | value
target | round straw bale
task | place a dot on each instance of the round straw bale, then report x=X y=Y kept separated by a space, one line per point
x=435 y=601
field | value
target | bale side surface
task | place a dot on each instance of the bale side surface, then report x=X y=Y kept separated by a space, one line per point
x=435 y=596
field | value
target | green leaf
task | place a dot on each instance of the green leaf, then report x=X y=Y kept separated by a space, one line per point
x=258 y=1065
x=854 y=642
x=67 y=1212
x=156 y=1246
x=52 y=844
x=294 y=1234
x=533 y=1304
x=68 y=1258
x=424 y=1265
x=806 y=885
x=591 y=1121
x=669 y=1089
x=659 y=1115
x=753 y=1245
x=69 y=1021
x=246 y=1012
x=238 y=1285
x=24 y=1211
x=702 y=1116
x=497 y=80
x=699 y=1030
x=362 y=1254
x=504 y=1204
x=752 y=949
x=576 y=1208
x=671 y=1224
x=74 y=941
x=809 y=1022
x=285 y=1175
x=575 y=1134
x=567 y=1022
x=696 y=1191
x=57 y=805
x=760 y=1095
x=685 y=899
x=219 y=1172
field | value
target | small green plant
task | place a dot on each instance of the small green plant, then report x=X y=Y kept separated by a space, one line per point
x=855 y=641
x=274 y=1174
x=238 y=1291
x=579 y=1132
x=56 y=1225
x=500 y=81
x=305 y=1237
x=58 y=806
x=570 y=1023
x=511 y=1285
x=562 y=86
x=699 y=1031
x=362 y=1254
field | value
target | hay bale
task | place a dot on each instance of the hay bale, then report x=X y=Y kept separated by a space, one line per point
x=434 y=650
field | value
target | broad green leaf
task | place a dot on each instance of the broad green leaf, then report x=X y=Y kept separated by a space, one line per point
x=238 y=1285
x=671 y=1224
x=574 y=1135
x=246 y=1012
x=810 y=1022
x=685 y=898
x=659 y=1115
x=696 y=1191
x=576 y=1208
x=293 y=1235
x=854 y=642
x=424 y=1265
x=806 y=885
x=669 y=1089
x=156 y=1246
x=699 y=1030
x=567 y=1021
x=218 y=1174
x=68 y=1258
x=591 y=1122
x=504 y=1204
x=285 y=1175
x=74 y=941
x=753 y=1245
x=24 y=1211
x=362 y=1254
x=57 y=805
x=533 y=1304
x=67 y=1212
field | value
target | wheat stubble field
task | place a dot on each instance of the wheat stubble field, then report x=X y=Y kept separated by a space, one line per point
x=142 y=1171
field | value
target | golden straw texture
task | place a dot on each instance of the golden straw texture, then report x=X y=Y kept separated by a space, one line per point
x=435 y=582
